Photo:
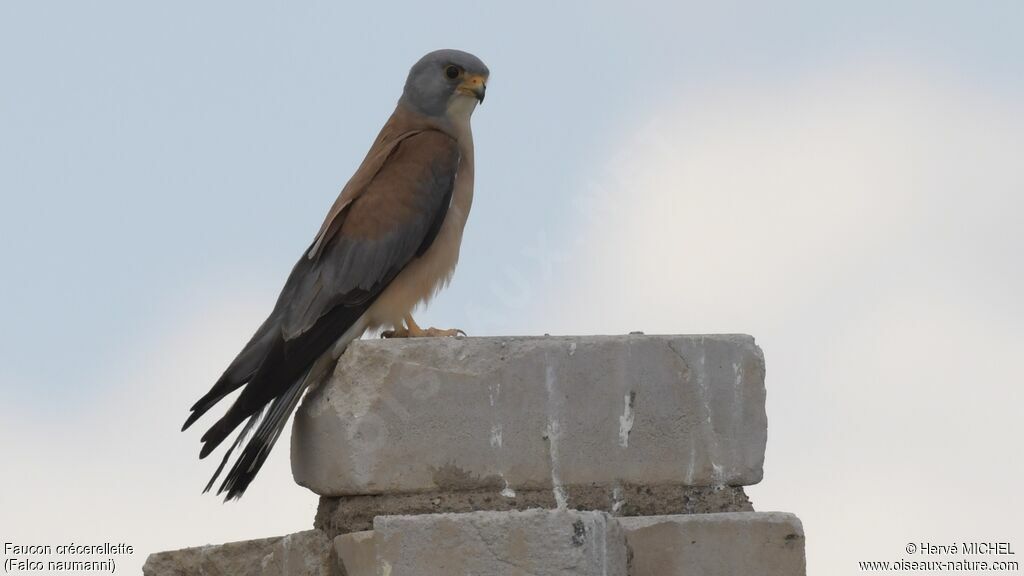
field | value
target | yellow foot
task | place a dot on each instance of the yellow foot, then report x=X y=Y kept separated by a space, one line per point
x=412 y=330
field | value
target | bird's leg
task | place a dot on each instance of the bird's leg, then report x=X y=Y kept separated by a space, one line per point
x=416 y=332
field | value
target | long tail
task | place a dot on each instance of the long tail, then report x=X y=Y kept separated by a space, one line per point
x=263 y=410
x=241 y=370
x=271 y=421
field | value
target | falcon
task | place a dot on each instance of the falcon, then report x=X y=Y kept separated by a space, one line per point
x=389 y=243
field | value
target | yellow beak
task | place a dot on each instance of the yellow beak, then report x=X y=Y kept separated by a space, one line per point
x=474 y=85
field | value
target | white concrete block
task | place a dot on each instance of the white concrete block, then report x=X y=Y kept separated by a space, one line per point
x=418 y=415
x=534 y=542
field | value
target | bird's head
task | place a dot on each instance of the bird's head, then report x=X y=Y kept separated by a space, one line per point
x=446 y=84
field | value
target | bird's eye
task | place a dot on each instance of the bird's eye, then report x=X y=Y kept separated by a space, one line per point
x=452 y=72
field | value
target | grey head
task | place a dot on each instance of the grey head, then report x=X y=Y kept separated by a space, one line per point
x=444 y=80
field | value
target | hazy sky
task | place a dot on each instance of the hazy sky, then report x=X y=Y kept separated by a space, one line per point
x=844 y=183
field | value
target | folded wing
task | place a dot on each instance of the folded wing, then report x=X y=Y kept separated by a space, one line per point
x=375 y=230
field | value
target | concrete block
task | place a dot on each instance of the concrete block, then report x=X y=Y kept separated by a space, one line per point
x=511 y=414
x=357 y=553
x=748 y=543
x=535 y=542
x=307 y=553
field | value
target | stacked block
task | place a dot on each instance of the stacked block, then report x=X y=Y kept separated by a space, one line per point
x=607 y=455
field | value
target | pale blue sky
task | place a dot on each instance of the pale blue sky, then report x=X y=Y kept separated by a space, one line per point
x=150 y=149
x=158 y=160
